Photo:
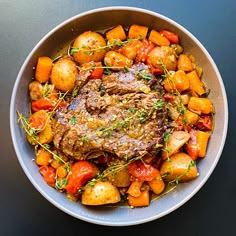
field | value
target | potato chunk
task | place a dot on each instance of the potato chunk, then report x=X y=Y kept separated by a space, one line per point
x=179 y=167
x=100 y=193
x=64 y=74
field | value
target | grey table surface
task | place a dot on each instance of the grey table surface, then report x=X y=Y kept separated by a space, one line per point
x=23 y=211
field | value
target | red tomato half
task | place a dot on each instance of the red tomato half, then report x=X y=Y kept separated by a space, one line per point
x=142 y=171
x=142 y=54
x=205 y=123
x=172 y=37
x=49 y=174
x=81 y=172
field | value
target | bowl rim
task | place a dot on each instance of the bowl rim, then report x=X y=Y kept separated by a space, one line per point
x=13 y=111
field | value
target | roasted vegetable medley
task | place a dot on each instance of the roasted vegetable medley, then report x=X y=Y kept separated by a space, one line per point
x=120 y=117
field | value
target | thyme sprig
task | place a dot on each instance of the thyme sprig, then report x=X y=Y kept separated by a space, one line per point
x=91 y=51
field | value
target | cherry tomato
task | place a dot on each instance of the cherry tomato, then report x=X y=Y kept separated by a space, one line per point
x=43 y=104
x=143 y=52
x=81 y=172
x=172 y=37
x=142 y=171
x=49 y=174
x=205 y=123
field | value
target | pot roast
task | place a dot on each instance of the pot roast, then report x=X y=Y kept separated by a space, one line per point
x=121 y=114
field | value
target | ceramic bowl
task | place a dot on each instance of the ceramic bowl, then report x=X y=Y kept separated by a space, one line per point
x=100 y=19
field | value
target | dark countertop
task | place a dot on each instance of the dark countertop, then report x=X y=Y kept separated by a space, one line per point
x=23 y=211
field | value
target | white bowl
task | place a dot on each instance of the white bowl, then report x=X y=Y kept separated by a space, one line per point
x=104 y=18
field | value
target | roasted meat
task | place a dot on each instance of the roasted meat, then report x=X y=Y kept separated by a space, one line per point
x=121 y=115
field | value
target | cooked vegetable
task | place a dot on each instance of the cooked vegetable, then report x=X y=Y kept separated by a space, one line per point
x=158 y=38
x=96 y=69
x=195 y=83
x=179 y=168
x=205 y=123
x=43 y=69
x=117 y=61
x=179 y=81
x=137 y=31
x=120 y=179
x=64 y=74
x=172 y=37
x=89 y=46
x=43 y=157
x=163 y=55
x=144 y=51
x=134 y=189
x=142 y=171
x=80 y=173
x=200 y=105
x=100 y=193
x=184 y=63
x=35 y=90
x=46 y=135
x=117 y=32
x=202 y=141
x=157 y=185
x=49 y=174
x=131 y=49
x=175 y=142
x=141 y=201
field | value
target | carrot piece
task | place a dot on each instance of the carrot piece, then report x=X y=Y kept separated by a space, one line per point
x=116 y=33
x=43 y=157
x=172 y=37
x=195 y=83
x=157 y=185
x=202 y=141
x=184 y=63
x=137 y=31
x=191 y=117
x=200 y=105
x=142 y=200
x=179 y=81
x=43 y=69
x=131 y=49
x=158 y=38
x=134 y=188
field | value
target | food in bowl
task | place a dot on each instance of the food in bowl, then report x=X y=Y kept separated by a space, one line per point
x=121 y=116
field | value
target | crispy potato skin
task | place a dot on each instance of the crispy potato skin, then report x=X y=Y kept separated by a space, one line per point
x=88 y=44
x=64 y=74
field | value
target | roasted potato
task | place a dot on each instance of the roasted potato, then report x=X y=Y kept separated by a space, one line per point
x=35 y=90
x=164 y=54
x=102 y=192
x=90 y=47
x=120 y=178
x=64 y=74
x=117 y=61
x=179 y=167
x=175 y=142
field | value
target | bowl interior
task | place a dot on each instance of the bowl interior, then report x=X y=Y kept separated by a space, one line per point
x=101 y=19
